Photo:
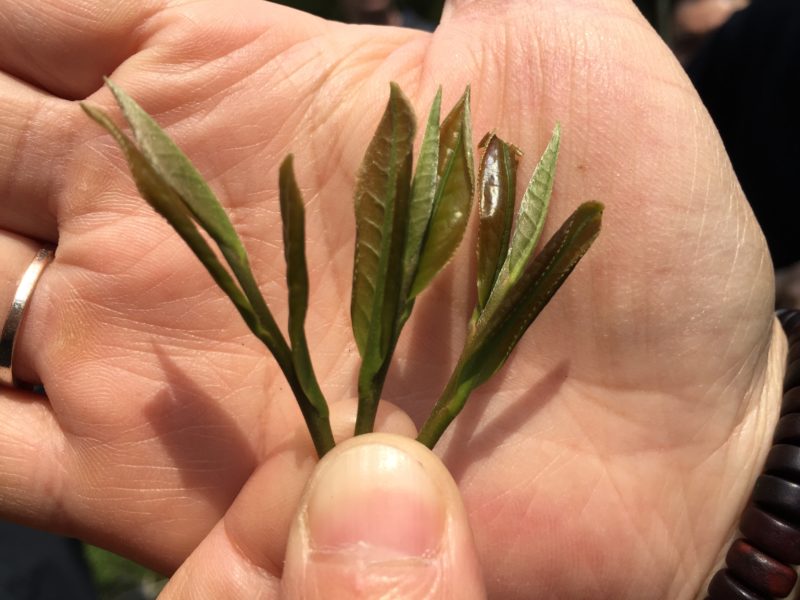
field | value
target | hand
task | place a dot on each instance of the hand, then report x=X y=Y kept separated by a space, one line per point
x=613 y=453
x=381 y=518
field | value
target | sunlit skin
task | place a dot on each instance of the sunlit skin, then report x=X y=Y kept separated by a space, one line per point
x=608 y=459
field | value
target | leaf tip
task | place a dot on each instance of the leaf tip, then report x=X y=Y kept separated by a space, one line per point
x=555 y=138
x=594 y=207
x=487 y=139
x=99 y=116
x=115 y=89
x=88 y=109
x=395 y=91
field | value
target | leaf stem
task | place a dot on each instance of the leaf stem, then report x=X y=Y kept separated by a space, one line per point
x=370 y=387
x=319 y=425
x=447 y=407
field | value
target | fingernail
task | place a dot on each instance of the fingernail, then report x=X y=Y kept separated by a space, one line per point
x=376 y=499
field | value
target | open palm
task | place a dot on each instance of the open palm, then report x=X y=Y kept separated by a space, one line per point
x=608 y=459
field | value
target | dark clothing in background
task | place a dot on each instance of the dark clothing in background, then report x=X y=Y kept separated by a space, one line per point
x=414 y=21
x=39 y=566
x=748 y=75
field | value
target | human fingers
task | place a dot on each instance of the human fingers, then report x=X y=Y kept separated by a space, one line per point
x=30 y=438
x=61 y=470
x=454 y=8
x=20 y=263
x=242 y=556
x=31 y=443
x=35 y=137
x=381 y=517
x=66 y=47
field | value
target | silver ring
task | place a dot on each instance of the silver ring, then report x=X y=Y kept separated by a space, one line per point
x=8 y=337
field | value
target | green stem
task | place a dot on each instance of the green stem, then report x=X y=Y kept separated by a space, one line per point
x=319 y=425
x=447 y=407
x=370 y=387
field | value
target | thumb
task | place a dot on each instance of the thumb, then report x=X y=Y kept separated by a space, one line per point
x=381 y=518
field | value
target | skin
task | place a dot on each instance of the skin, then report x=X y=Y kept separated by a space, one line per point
x=611 y=456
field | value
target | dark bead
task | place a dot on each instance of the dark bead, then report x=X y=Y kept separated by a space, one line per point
x=791 y=402
x=788 y=430
x=793 y=337
x=771 y=535
x=725 y=587
x=758 y=571
x=790 y=320
x=784 y=461
x=794 y=352
x=779 y=497
x=791 y=378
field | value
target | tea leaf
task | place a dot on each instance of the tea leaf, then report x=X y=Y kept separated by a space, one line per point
x=532 y=211
x=293 y=217
x=166 y=202
x=164 y=156
x=174 y=205
x=382 y=213
x=506 y=319
x=496 y=189
x=453 y=199
x=381 y=208
x=423 y=193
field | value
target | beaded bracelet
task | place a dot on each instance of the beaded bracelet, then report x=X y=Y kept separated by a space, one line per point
x=759 y=564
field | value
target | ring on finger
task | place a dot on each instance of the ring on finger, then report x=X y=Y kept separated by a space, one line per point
x=16 y=312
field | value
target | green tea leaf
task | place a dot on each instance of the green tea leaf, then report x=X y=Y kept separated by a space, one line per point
x=293 y=217
x=381 y=208
x=423 y=192
x=165 y=158
x=160 y=195
x=532 y=211
x=166 y=200
x=453 y=199
x=382 y=211
x=496 y=188
x=506 y=318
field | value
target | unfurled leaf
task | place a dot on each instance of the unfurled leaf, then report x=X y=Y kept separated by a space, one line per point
x=423 y=192
x=532 y=211
x=381 y=208
x=293 y=217
x=165 y=158
x=507 y=317
x=172 y=186
x=453 y=199
x=160 y=195
x=496 y=188
x=382 y=212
